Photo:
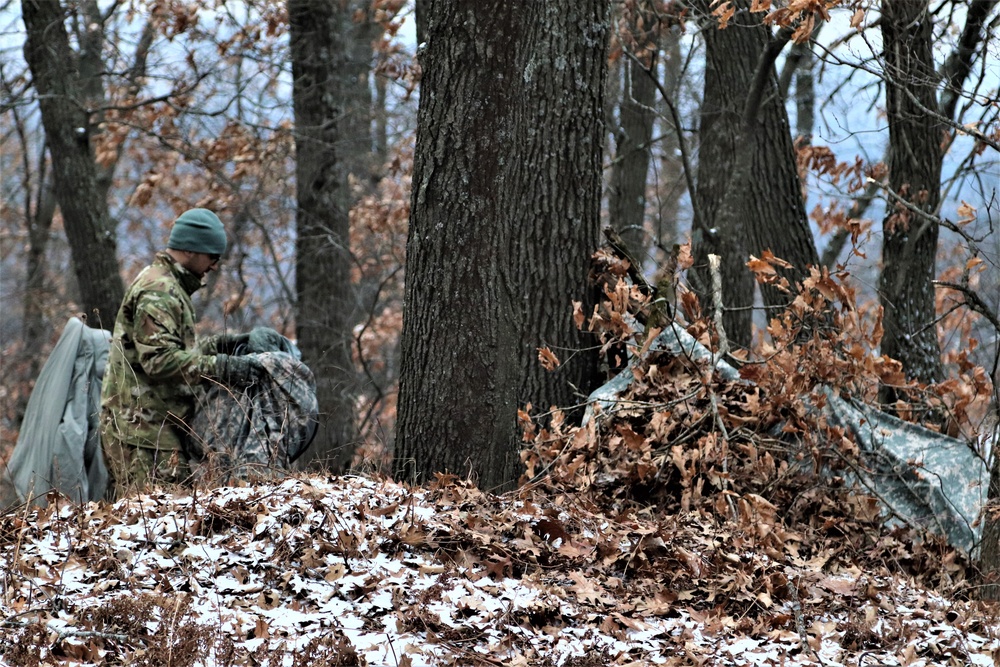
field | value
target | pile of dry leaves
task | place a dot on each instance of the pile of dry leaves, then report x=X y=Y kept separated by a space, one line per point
x=357 y=571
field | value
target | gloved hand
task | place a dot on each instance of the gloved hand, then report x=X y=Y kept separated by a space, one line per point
x=264 y=339
x=230 y=343
x=238 y=370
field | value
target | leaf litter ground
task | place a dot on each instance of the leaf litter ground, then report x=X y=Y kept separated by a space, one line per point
x=360 y=571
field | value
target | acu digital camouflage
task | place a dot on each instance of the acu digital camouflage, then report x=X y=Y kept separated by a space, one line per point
x=156 y=365
x=260 y=429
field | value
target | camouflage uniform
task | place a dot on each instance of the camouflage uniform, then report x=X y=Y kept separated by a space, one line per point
x=154 y=374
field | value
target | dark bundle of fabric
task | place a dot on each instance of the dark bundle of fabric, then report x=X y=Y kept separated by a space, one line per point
x=258 y=429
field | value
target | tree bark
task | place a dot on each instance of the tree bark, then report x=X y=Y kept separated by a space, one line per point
x=759 y=192
x=765 y=190
x=909 y=245
x=68 y=129
x=729 y=58
x=39 y=219
x=459 y=376
x=554 y=191
x=504 y=219
x=805 y=94
x=332 y=116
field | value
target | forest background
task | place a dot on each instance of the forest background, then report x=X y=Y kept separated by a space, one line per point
x=842 y=155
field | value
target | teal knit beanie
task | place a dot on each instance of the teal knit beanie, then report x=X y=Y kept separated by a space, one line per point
x=198 y=230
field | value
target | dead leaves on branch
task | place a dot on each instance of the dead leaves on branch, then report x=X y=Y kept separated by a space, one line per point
x=798 y=15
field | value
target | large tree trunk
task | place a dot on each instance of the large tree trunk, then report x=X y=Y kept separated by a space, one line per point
x=504 y=218
x=629 y=171
x=332 y=114
x=730 y=55
x=761 y=200
x=765 y=190
x=909 y=245
x=459 y=377
x=68 y=129
x=554 y=196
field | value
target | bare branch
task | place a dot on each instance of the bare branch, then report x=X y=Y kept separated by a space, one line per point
x=924 y=215
x=959 y=64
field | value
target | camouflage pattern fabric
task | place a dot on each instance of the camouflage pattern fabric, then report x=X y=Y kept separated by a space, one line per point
x=261 y=429
x=922 y=478
x=156 y=366
x=137 y=468
x=673 y=339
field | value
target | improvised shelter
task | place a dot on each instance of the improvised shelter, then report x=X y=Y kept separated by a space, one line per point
x=922 y=478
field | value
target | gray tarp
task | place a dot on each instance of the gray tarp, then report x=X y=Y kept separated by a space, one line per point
x=58 y=446
x=923 y=478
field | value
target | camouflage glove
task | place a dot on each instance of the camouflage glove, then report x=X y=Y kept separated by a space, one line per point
x=263 y=339
x=230 y=343
x=238 y=370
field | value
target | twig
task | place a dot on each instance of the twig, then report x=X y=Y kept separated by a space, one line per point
x=972 y=300
x=924 y=215
x=62 y=633
x=800 y=625
x=713 y=267
x=697 y=219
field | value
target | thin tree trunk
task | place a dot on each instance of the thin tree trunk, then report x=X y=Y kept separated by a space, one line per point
x=909 y=246
x=670 y=184
x=381 y=112
x=989 y=546
x=330 y=114
x=627 y=193
x=39 y=229
x=68 y=128
x=805 y=94
x=955 y=72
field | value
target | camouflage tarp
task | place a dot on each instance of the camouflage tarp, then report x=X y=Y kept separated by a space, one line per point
x=262 y=429
x=923 y=478
x=58 y=446
x=673 y=339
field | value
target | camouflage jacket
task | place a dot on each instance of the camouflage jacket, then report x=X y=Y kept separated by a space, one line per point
x=156 y=366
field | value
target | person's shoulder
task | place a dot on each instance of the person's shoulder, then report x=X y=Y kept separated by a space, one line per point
x=156 y=275
x=155 y=281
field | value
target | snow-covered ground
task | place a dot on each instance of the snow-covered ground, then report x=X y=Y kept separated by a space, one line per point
x=359 y=571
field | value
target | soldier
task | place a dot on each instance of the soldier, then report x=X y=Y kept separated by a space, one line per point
x=156 y=368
